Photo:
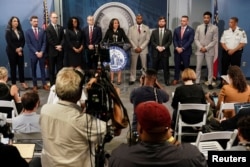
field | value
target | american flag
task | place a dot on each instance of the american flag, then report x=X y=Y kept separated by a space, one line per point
x=45 y=15
x=216 y=22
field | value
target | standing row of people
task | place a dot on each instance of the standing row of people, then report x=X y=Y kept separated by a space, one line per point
x=39 y=43
x=73 y=40
x=205 y=37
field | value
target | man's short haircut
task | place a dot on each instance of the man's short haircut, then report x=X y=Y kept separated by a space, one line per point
x=207 y=13
x=188 y=74
x=69 y=84
x=52 y=13
x=244 y=127
x=150 y=72
x=3 y=72
x=185 y=16
x=162 y=18
x=235 y=19
x=33 y=17
x=29 y=100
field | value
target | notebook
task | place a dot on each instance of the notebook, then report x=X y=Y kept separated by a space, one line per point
x=26 y=150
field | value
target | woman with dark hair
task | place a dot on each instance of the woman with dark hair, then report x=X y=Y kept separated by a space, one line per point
x=115 y=34
x=236 y=91
x=74 y=43
x=15 y=42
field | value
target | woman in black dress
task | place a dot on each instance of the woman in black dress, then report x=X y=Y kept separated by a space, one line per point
x=74 y=43
x=113 y=35
x=15 y=42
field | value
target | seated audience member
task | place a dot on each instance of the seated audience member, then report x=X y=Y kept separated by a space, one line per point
x=187 y=93
x=236 y=91
x=243 y=134
x=8 y=92
x=210 y=97
x=28 y=120
x=154 y=123
x=75 y=146
x=229 y=123
x=10 y=156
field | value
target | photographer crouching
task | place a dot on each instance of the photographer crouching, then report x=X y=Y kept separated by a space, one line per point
x=69 y=134
x=150 y=90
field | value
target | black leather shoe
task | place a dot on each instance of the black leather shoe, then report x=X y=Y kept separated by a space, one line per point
x=131 y=82
x=210 y=87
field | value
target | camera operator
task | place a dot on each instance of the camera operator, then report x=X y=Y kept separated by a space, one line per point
x=69 y=135
x=149 y=90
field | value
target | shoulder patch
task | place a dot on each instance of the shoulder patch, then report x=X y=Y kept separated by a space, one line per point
x=240 y=29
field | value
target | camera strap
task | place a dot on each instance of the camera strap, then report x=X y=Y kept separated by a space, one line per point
x=156 y=97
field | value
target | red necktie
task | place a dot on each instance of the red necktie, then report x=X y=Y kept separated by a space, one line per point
x=36 y=34
x=139 y=29
x=90 y=35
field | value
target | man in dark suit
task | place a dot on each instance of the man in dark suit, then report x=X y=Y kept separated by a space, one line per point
x=55 y=34
x=92 y=37
x=183 y=38
x=36 y=42
x=161 y=39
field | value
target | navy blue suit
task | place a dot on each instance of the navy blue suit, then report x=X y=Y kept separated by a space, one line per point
x=96 y=39
x=186 y=43
x=36 y=45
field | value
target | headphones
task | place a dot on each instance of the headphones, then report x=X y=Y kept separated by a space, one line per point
x=80 y=73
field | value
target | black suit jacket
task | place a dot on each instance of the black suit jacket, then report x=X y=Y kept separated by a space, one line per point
x=53 y=39
x=73 y=40
x=166 y=41
x=96 y=37
x=121 y=36
x=13 y=42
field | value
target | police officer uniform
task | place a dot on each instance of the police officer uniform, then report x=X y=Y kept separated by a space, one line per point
x=232 y=39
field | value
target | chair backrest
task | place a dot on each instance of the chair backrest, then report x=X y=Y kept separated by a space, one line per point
x=190 y=108
x=10 y=104
x=193 y=107
x=214 y=136
x=29 y=138
x=225 y=106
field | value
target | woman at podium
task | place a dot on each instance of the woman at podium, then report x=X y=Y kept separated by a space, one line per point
x=115 y=36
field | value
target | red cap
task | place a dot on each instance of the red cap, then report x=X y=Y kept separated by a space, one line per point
x=153 y=117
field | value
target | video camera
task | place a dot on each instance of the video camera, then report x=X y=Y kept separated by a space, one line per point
x=102 y=103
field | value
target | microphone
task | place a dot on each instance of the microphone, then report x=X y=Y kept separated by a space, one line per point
x=115 y=38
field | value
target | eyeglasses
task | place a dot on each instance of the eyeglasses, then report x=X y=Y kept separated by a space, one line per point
x=54 y=17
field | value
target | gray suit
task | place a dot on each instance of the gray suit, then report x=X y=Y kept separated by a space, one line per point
x=138 y=40
x=208 y=41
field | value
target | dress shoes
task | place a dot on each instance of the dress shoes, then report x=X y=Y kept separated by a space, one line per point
x=131 y=82
x=24 y=86
x=46 y=87
x=175 y=82
x=34 y=88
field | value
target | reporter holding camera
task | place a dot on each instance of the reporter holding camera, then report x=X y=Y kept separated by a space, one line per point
x=150 y=90
x=69 y=135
